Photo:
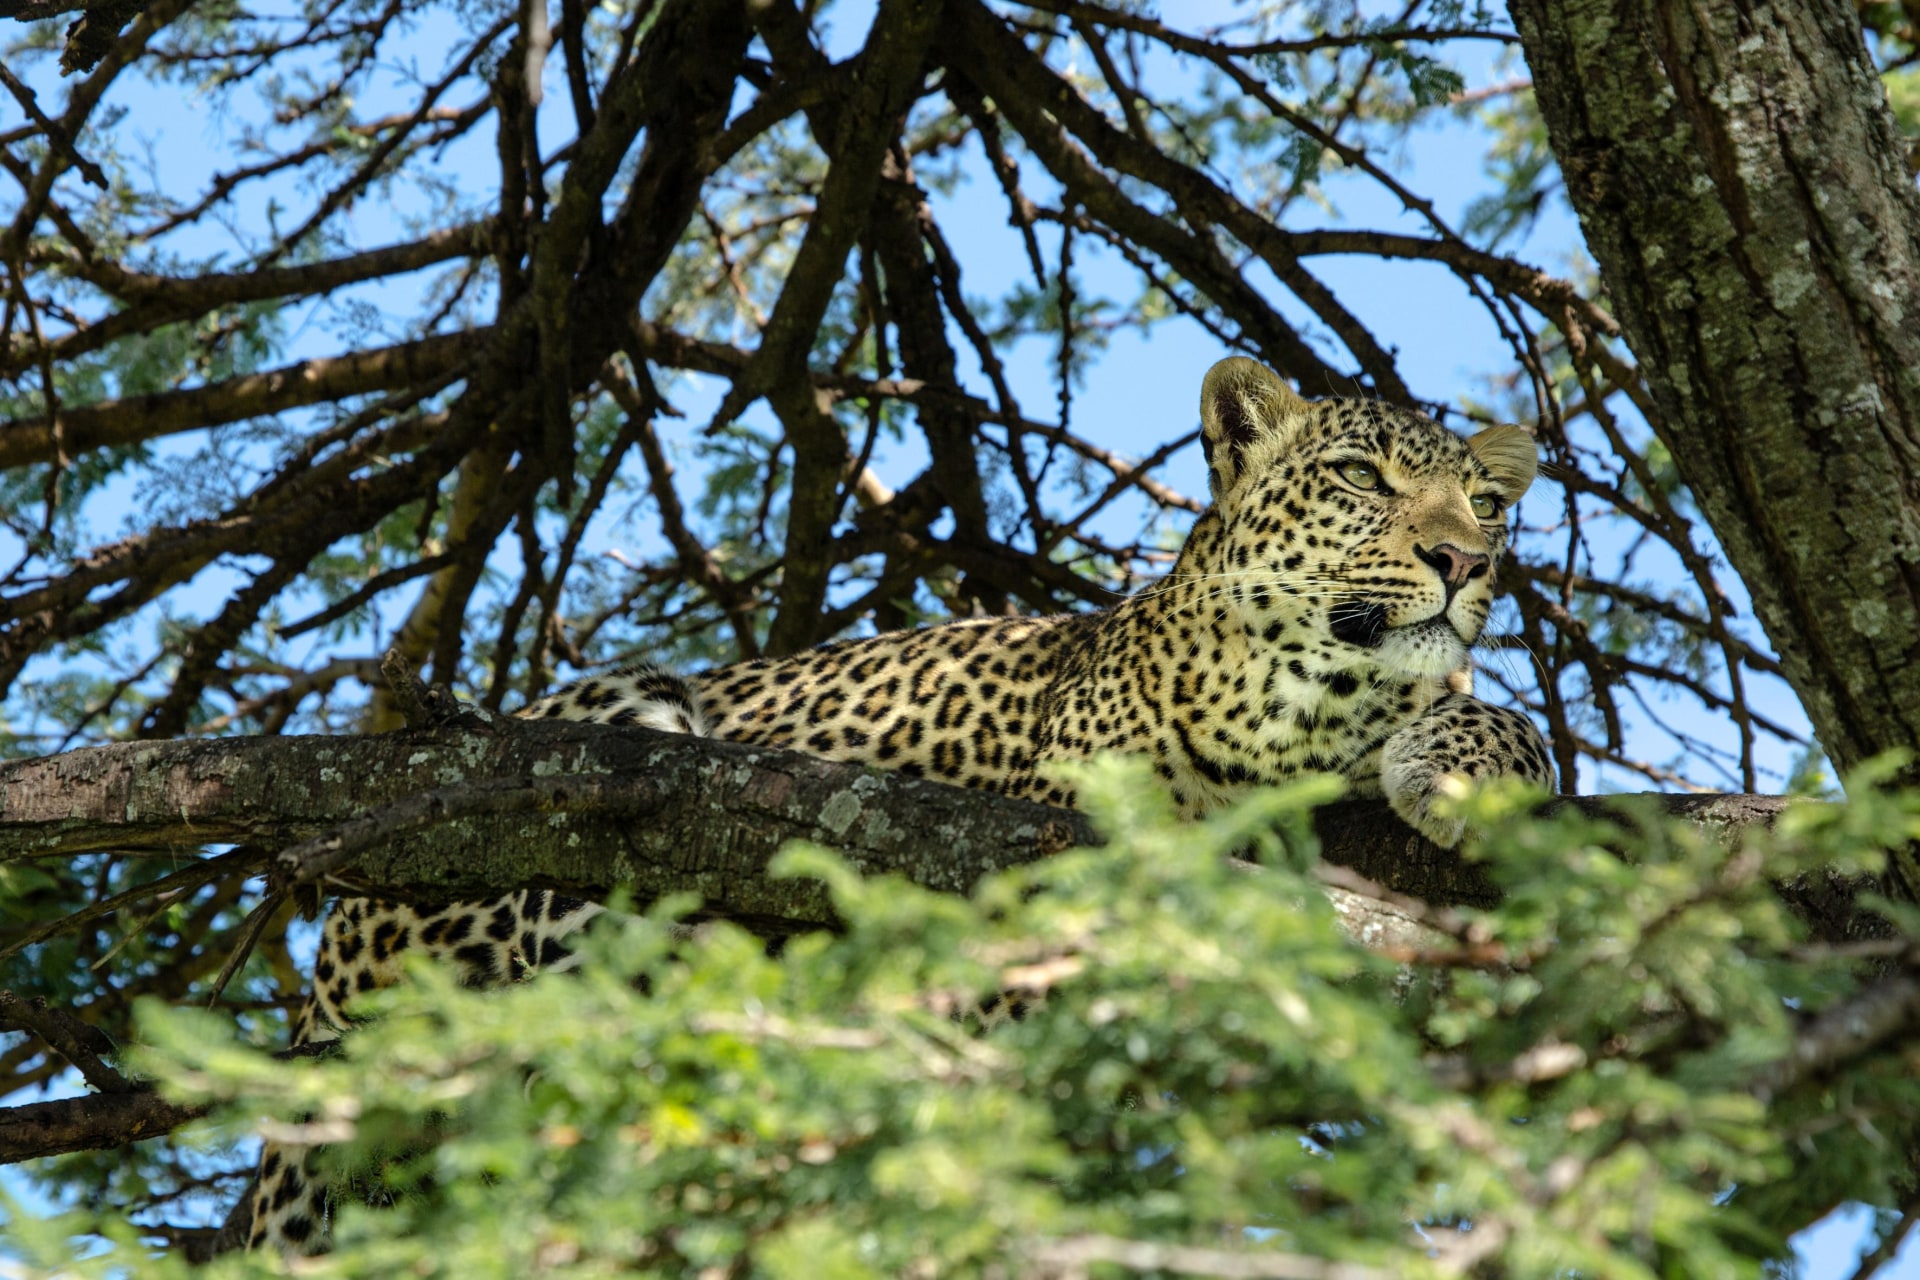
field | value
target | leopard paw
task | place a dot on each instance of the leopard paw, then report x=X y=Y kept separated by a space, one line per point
x=1412 y=786
x=1460 y=741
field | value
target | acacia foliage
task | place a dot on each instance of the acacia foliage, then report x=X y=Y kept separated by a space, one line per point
x=1634 y=1067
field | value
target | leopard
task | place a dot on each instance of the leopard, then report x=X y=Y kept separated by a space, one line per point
x=1318 y=618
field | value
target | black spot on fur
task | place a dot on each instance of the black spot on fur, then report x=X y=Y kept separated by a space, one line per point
x=1361 y=623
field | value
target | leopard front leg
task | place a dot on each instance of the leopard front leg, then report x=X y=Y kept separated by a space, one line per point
x=363 y=947
x=1458 y=737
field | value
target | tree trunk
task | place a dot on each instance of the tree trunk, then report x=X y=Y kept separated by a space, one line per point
x=1740 y=181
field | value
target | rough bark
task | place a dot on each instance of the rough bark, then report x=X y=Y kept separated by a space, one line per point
x=706 y=817
x=585 y=809
x=1740 y=181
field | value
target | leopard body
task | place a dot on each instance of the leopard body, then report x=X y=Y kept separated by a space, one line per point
x=1318 y=618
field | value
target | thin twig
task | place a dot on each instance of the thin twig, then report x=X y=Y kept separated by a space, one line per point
x=55 y=131
x=250 y=930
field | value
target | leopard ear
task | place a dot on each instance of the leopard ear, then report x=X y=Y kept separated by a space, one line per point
x=1241 y=402
x=1508 y=451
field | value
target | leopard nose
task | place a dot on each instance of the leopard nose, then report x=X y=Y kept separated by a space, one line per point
x=1456 y=567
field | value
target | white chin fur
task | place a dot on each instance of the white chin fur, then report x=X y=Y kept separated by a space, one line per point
x=1423 y=649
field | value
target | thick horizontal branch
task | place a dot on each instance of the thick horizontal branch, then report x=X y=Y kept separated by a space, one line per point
x=680 y=814
x=164 y=413
x=717 y=812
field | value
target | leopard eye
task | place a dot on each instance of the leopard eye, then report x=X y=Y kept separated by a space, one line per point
x=1485 y=506
x=1360 y=475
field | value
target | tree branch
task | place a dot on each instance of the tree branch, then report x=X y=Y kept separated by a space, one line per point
x=156 y=300
x=1844 y=1032
x=73 y=1039
x=720 y=812
x=88 y=1123
x=1071 y=1257
x=886 y=81
x=89 y=37
x=717 y=813
x=991 y=65
x=697 y=563
x=165 y=413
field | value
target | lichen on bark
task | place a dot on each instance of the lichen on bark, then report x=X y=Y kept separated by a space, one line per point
x=1742 y=185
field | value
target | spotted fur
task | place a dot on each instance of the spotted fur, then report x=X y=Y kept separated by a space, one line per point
x=1317 y=619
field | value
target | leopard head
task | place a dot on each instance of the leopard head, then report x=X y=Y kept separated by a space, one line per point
x=1368 y=531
